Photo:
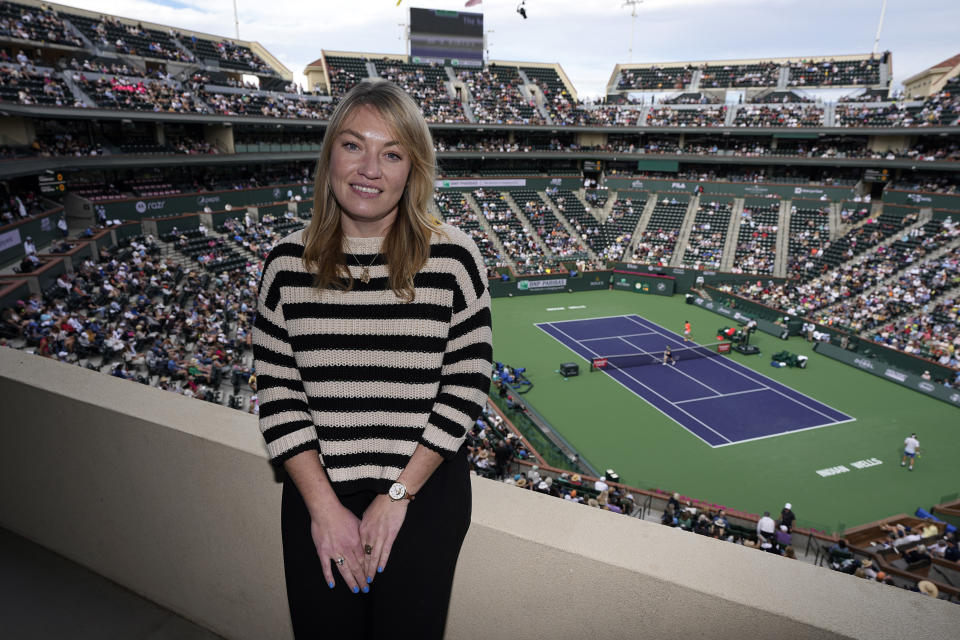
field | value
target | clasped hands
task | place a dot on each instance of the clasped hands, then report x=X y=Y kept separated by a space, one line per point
x=359 y=548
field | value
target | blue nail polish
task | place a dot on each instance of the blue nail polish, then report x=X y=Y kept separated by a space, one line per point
x=330 y=584
x=356 y=590
x=369 y=579
x=379 y=569
x=366 y=589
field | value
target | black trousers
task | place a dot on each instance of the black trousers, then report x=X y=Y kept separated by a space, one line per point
x=411 y=597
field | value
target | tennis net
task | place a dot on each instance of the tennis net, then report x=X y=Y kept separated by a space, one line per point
x=642 y=358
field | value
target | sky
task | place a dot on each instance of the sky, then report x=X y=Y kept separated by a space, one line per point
x=587 y=37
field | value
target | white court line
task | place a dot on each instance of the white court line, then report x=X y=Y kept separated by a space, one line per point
x=630 y=335
x=727 y=366
x=722 y=395
x=784 y=433
x=675 y=368
x=644 y=386
x=537 y=324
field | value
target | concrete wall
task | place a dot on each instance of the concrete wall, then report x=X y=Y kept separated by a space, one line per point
x=173 y=498
x=16 y=131
x=220 y=135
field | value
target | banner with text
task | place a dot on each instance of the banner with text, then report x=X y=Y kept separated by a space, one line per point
x=883 y=370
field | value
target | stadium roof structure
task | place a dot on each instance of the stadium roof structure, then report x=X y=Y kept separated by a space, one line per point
x=932 y=79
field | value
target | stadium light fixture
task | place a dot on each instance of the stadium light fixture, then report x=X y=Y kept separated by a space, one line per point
x=633 y=22
x=236 y=20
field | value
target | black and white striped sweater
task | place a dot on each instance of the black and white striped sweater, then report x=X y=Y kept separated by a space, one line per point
x=363 y=377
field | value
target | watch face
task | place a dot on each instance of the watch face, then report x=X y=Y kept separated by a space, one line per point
x=397 y=491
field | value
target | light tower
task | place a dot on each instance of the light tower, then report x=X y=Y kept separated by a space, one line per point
x=633 y=22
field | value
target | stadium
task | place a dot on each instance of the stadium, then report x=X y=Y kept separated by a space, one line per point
x=725 y=287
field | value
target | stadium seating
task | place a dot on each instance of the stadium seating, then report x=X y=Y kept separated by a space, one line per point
x=30 y=85
x=757 y=239
x=457 y=211
x=496 y=96
x=657 y=242
x=427 y=84
x=344 y=72
x=692 y=117
x=708 y=235
x=835 y=73
x=762 y=74
x=561 y=243
x=113 y=35
x=37 y=24
x=655 y=78
x=778 y=116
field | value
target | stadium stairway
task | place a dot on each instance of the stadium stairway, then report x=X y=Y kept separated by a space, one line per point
x=683 y=238
x=733 y=233
x=952 y=292
x=608 y=206
x=562 y=219
x=77 y=92
x=731 y=116
x=642 y=117
x=190 y=55
x=783 y=240
x=72 y=29
x=535 y=97
x=641 y=224
x=579 y=195
x=829 y=115
x=783 y=78
x=893 y=277
x=487 y=229
x=695 y=78
x=834 y=221
x=525 y=221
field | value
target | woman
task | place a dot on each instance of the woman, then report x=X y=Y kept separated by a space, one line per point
x=373 y=355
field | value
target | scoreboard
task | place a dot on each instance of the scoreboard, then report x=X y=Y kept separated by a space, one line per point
x=876 y=175
x=441 y=36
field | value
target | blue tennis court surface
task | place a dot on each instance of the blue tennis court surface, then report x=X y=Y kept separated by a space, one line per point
x=715 y=398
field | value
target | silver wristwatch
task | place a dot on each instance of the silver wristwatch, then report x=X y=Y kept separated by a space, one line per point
x=399 y=492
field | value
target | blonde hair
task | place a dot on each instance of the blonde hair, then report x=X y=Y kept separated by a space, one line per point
x=406 y=247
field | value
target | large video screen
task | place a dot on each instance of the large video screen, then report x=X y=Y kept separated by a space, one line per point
x=439 y=36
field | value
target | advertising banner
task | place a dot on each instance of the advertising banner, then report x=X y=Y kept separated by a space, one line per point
x=643 y=283
x=137 y=208
x=888 y=372
x=923 y=199
x=766 y=326
x=741 y=189
x=590 y=281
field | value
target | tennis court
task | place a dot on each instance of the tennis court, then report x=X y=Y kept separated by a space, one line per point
x=716 y=399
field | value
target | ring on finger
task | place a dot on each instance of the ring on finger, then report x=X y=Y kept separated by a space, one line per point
x=367 y=549
x=340 y=560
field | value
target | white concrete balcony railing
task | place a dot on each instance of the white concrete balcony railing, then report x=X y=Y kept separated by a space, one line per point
x=174 y=499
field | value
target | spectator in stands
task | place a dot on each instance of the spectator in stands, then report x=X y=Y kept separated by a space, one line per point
x=783 y=538
x=787 y=517
x=951 y=553
x=766 y=527
x=601 y=484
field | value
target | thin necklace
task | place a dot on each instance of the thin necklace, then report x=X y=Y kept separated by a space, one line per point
x=365 y=270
